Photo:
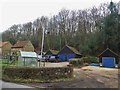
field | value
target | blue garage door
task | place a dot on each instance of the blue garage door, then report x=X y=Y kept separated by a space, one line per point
x=108 y=62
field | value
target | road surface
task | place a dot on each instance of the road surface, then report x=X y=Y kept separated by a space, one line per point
x=12 y=85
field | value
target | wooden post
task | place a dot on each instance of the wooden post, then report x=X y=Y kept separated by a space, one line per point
x=38 y=63
x=24 y=62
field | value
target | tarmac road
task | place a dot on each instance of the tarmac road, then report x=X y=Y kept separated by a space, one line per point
x=12 y=85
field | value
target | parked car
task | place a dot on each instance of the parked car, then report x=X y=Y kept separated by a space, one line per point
x=41 y=58
x=53 y=59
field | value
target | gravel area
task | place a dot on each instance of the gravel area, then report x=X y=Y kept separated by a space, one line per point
x=108 y=76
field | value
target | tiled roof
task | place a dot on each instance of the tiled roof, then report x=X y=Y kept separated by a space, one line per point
x=3 y=43
x=20 y=44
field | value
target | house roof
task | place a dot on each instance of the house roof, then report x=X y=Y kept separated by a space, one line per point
x=54 y=52
x=3 y=43
x=37 y=50
x=74 y=50
x=20 y=44
x=108 y=50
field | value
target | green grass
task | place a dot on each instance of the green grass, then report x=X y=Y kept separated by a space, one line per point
x=20 y=80
x=4 y=63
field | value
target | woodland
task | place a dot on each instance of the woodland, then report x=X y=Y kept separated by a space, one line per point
x=90 y=31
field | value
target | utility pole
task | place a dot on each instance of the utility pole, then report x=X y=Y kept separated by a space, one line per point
x=43 y=34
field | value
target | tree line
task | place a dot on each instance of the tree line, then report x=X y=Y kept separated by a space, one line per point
x=89 y=30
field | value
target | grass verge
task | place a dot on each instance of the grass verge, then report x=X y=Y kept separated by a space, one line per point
x=20 y=80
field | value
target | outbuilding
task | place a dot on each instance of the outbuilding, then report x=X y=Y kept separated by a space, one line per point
x=68 y=52
x=51 y=52
x=108 y=58
x=28 y=58
x=51 y=55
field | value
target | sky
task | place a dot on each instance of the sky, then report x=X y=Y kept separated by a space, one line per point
x=23 y=11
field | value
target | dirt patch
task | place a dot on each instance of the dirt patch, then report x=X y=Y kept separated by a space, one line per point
x=109 y=76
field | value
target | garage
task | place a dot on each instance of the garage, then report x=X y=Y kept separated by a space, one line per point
x=69 y=56
x=108 y=62
x=108 y=58
x=68 y=52
x=66 y=57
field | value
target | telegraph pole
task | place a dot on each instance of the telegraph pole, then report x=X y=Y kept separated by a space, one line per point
x=43 y=34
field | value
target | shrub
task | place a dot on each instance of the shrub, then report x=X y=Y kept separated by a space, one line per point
x=90 y=59
x=85 y=64
x=23 y=73
x=76 y=62
x=58 y=60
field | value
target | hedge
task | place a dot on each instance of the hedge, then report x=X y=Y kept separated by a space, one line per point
x=90 y=59
x=76 y=62
x=84 y=61
x=23 y=73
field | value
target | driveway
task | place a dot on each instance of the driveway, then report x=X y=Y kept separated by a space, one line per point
x=107 y=76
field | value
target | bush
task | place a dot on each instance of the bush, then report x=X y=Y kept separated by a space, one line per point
x=85 y=64
x=90 y=59
x=23 y=73
x=58 y=60
x=76 y=62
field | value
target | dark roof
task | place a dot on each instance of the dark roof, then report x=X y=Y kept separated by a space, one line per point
x=109 y=51
x=73 y=49
x=20 y=44
x=54 y=52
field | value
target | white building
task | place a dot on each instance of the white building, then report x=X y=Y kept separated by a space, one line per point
x=28 y=58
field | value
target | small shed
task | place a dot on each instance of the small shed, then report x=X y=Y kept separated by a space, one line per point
x=28 y=58
x=108 y=58
x=69 y=52
x=51 y=52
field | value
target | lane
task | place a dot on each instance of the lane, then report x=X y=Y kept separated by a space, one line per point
x=12 y=85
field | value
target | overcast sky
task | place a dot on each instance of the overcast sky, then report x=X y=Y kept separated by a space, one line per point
x=22 y=11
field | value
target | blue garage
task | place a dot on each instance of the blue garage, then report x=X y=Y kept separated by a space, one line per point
x=66 y=57
x=67 y=53
x=108 y=58
x=62 y=57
